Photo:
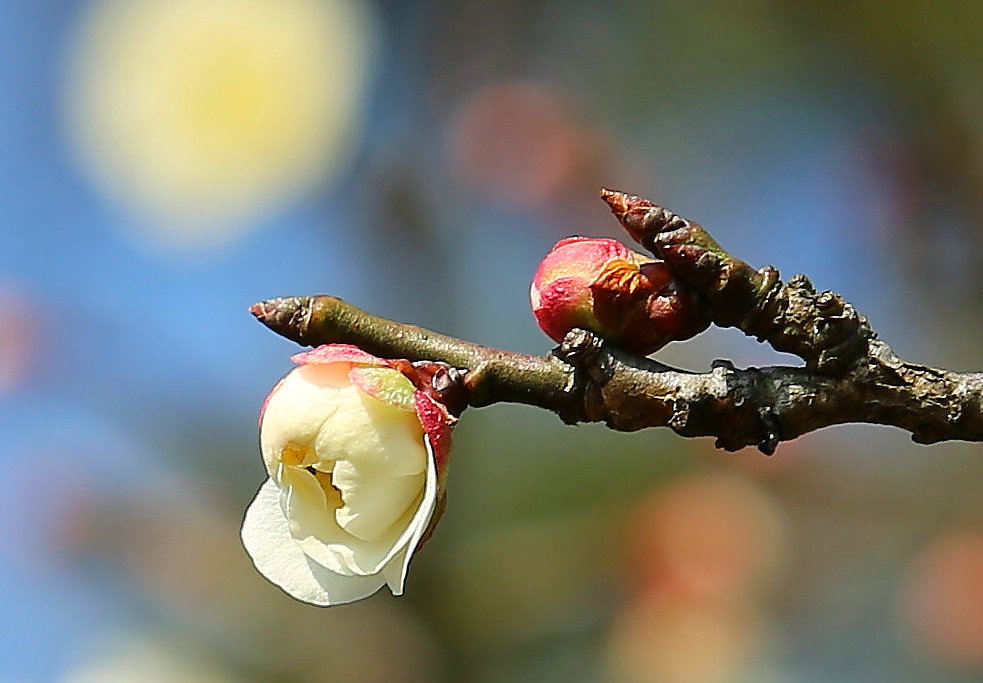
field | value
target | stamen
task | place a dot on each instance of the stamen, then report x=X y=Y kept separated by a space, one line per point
x=331 y=492
x=294 y=453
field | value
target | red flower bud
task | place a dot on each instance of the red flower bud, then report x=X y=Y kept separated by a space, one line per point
x=627 y=298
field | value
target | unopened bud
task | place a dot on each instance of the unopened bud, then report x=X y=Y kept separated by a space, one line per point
x=625 y=297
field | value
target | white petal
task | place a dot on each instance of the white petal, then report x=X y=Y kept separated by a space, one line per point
x=302 y=500
x=317 y=533
x=373 y=500
x=266 y=537
x=312 y=523
x=389 y=555
x=348 y=554
x=298 y=407
x=395 y=571
x=366 y=431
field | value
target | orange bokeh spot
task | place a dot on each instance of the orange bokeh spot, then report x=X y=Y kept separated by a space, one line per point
x=943 y=598
x=656 y=639
x=708 y=538
x=18 y=338
x=521 y=143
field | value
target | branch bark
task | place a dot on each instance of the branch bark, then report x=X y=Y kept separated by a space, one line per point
x=586 y=380
x=849 y=374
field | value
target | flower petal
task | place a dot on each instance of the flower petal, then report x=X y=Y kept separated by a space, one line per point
x=346 y=554
x=299 y=406
x=266 y=537
x=338 y=353
x=562 y=304
x=302 y=500
x=372 y=557
x=309 y=510
x=373 y=434
x=373 y=500
x=581 y=257
x=382 y=443
x=395 y=571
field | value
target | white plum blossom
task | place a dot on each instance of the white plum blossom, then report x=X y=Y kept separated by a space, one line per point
x=353 y=453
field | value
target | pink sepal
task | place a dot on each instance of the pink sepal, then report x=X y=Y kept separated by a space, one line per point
x=364 y=378
x=339 y=353
x=364 y=383
x=437 y=423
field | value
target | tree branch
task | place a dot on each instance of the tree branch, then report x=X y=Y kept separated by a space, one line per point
x=849 y=375
x=492 y=375
x=585 y=380
x=821 y=328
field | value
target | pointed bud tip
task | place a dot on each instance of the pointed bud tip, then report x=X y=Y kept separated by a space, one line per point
x=261 y=309
x=621 y=203
x=281 y=314
x=615 y=200
x=274 y=309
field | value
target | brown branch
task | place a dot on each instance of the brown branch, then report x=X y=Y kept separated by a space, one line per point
x=819 y=327
x=585 y=380
x=492 y=375
x=849 y=375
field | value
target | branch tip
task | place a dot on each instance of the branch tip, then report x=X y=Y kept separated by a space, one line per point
x=261 y=309
x=282 y=314
x=644 y=219
x=621 y=203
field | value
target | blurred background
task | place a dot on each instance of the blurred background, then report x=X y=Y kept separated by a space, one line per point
x=165 y=163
